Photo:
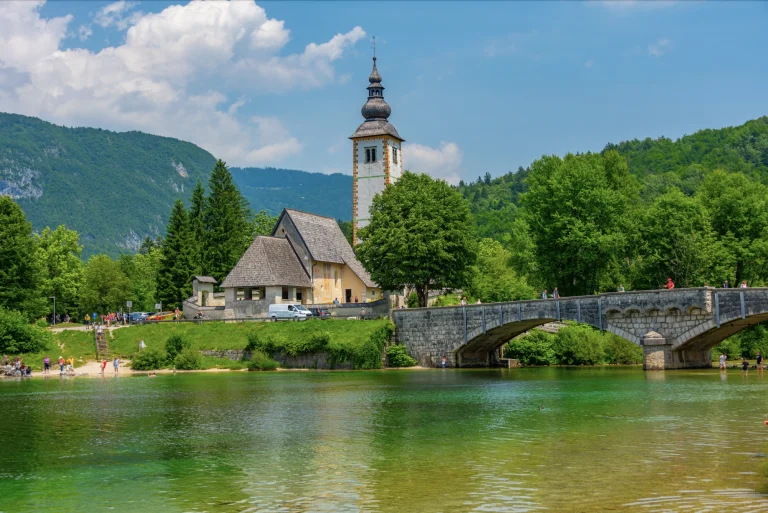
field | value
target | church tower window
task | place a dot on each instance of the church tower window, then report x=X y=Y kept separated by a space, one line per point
x=370 y=155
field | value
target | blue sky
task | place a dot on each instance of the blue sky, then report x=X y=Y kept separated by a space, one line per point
x=474 y=87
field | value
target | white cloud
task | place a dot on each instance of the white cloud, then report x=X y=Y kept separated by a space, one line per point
x=589 y=64
x=442 y=163
x=172 y=76
x=660 y=47
x=84 y=32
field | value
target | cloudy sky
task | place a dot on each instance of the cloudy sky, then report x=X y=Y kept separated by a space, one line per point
x=474 y=87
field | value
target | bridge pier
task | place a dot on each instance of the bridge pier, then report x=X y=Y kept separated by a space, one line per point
x=659 y=355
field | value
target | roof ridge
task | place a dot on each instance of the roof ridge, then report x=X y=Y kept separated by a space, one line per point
x=308 y=213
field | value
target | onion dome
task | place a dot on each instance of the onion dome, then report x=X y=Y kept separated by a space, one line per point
x=376 y=111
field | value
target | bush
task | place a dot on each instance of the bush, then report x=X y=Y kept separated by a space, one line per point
x=41 y=323
x=149 y=359
x=397 y=356
x=413 y=300
x=579 y=345
x=175 y=345
x=532 y=349
x=17 y=336
x=188 y=359
x=621 y=351
x=261 y=362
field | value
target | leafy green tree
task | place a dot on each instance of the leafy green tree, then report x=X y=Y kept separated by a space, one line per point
x=174 y=278
x=578 y=212
x=420 y=235
x=346 y=229
x=20 y=267
x=262 y=224
x=494 y=279
x=677 y=242
x=227 y=230
x=197 y=226
x=59 y=252
x=18 y=336
x=105 y=286
x=142 y=269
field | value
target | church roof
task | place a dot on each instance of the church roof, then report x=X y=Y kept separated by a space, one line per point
x=326 y=242
x=376 y=127
x=205 y=279
x=376 y=111
x=269 y=261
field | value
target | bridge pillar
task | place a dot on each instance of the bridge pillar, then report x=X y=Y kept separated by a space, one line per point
x=658 y=355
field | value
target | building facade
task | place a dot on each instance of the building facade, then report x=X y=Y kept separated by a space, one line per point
x=377 y=159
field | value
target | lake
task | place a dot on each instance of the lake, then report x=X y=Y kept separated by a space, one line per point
x=607 y=439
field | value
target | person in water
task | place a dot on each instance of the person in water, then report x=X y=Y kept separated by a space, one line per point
x=744 y=367
x=759 y=362
x=723 y=358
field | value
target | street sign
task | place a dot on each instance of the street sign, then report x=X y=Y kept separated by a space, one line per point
x=129 y=304
x=158 y=306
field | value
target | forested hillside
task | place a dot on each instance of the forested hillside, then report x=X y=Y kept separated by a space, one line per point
x=115 y=189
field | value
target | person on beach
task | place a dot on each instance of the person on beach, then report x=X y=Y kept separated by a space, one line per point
x=103 y=365
x=46 y=365
x=116 y=363
x=744 y=367
x=723 y=358
x=61 y=365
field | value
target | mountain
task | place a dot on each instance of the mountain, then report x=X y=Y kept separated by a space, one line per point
x=117 y=188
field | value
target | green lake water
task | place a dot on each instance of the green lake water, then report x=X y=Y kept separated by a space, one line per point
x=607 y=439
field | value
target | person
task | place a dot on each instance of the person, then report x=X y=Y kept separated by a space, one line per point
x=479 y=302
x=744 y=367
x=61 y=365
x=336 y=301
x=99 y=331
x=464 y=301
x=362 y=313
x=743 y=284
x=5 y=360
x=67 y=318
x=759 y=362
x=443 y=361
x=116 y=363
x=723 y=358
x=28 y=371
x=46 y=365
x=544 y=294
x=556 y=293
x=103 y=365
x=620 y=288
x=356 y=300
x=176 y=313
x=726 y=285
x=72 y=362
x=86 y=321
x=670 y=284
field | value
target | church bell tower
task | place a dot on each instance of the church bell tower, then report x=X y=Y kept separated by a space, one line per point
x=376 y=153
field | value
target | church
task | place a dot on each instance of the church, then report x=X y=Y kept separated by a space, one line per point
x=307 y=259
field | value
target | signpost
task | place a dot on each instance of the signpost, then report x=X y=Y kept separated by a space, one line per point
x=159 y=307
x=129 y=304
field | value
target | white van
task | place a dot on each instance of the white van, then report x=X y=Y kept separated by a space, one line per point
x=287 y=312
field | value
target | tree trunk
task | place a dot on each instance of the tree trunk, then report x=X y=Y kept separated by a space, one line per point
x=423 y=292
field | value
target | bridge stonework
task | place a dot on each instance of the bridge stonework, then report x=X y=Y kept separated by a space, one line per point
x=676 y=328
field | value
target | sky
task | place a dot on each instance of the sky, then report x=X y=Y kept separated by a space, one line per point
x=474 y=87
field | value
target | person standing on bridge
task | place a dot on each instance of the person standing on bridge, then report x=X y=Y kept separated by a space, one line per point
x=544 y=294
x=620 y=288
x=556 y=293
x=743 y=284
x=726 y=285
x=670 y=284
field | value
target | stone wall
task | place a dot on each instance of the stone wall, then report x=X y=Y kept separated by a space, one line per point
x=304 y=361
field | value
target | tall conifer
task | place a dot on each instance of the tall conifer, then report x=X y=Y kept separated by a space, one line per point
x=197 y=226
x=176 y=267
x=226 y=222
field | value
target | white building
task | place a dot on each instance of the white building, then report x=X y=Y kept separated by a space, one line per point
x=376 y=153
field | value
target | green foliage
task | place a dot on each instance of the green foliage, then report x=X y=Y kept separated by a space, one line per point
x=142 y=269
x=494 y=279
x=197 y=226
x=413 y=300
x=148 y=359
x=105 y=286
x=227 y=229
x=420 y=235
x=579 y=345
x=444 y=300
x=272 y=344
x=188 y=359
x=397 y=356
x=20 y=266
x=18 y=336
x=261 y=362
x=59 y=251
x=41 y=323
x=621 y=351
x=532 y=349
x=175 y=344
x=346 y=229
x=174 y=278
x=262 y=224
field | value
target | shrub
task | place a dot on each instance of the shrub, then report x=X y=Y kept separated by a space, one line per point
x=149 y=359
x=254 y=342
x=41 y=323
x=261 y=362
x=17 y=336
x=397 y=356
x=175 y=345
x=413 y=300
x=532 y=349
x=621 y=351
x=579 y=345
x=188 y=359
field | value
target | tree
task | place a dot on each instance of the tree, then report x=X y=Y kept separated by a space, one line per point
x=227 y=231
x=420 y=236
x=59 y=251
x=262 y=224
x=346 y=229
x=105 y=286
x=494 y=279
x=578 y=212
x=20 y=268
x=197 y=226
x=141 y=269
x=174 y=278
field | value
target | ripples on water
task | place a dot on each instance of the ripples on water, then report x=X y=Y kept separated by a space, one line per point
x=421 y=441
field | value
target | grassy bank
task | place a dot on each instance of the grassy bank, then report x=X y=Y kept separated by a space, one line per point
x=352 y=336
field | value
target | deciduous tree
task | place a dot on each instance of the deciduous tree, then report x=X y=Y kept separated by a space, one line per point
x=59 y=251
x=105 y=286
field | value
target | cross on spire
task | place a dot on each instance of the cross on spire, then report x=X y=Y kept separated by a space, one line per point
x=373 y=45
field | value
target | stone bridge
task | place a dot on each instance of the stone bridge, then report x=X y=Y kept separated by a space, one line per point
x=676 y=328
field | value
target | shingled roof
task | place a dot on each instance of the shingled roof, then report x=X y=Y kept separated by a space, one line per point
x=327 y=243
x=205 y=279
x=269 y=261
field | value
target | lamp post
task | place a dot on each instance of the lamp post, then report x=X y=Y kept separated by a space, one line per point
x=54 y=309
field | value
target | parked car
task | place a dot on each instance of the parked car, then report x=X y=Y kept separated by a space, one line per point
x=320 y=313
x=138 y=317
x=161 y=316
x=288 y=312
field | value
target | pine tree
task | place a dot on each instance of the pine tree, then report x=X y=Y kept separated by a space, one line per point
x=176 y=267
x=197 y=226
x=226 y=222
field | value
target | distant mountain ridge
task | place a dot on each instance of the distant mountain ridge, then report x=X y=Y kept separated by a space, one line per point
x=116 y=188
